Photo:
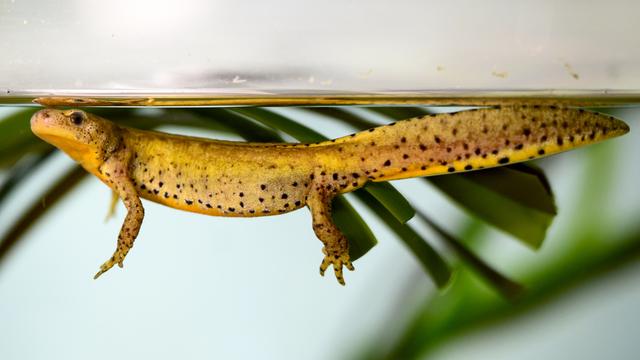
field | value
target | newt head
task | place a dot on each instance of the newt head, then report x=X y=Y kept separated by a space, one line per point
x=86 y=138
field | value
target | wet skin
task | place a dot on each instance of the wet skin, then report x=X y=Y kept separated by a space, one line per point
x=226 y=178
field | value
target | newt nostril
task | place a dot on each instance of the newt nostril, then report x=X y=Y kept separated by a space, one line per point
x=40 y=116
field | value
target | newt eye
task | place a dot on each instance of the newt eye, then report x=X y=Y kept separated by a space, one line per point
x=77 y=118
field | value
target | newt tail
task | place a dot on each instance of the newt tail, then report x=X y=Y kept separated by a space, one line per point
x=467 y=140
x=225 y=178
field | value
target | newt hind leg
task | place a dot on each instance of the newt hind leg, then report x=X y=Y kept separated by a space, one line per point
x=336 y=245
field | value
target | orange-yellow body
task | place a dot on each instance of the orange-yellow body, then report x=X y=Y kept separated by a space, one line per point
x=225 y=178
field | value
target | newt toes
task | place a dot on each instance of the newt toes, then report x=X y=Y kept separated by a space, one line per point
x=226 y=178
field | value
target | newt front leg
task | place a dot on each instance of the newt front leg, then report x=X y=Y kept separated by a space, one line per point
x=336 y=245
x=116 y=170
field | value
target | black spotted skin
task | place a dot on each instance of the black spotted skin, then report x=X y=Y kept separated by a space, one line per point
x=224 y=178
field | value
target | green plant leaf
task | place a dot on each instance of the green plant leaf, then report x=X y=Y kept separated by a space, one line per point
x=520 y=183
x=282 y=123
x=146 y=121
x=430 y=260
x=358 y=122
x=399 y=112
x=21 y=171
x=514 y=201
x=504 y=285
x=361 y=238
x=242 y=126
x=531 y=169
x=391 y=199
x=16 y=138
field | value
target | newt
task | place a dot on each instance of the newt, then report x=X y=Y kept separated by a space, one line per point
x=229 y=178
